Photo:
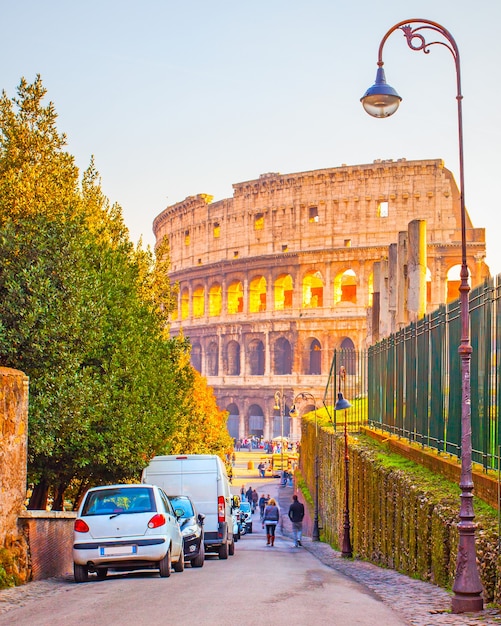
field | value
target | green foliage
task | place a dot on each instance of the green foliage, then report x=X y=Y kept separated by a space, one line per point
x=82 y=313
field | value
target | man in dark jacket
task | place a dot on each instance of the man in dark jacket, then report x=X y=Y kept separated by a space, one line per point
x=296 y=514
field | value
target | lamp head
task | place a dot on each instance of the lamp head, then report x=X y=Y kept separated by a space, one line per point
x=380 y=100
x=341 y=403
x=293 y=411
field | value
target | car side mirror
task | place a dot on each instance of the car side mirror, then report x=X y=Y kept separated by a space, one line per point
x=201 y=518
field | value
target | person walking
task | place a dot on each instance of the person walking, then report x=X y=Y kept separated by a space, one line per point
x=255 y=500
x=262 y=504
x=296 y=514
x=271 y=517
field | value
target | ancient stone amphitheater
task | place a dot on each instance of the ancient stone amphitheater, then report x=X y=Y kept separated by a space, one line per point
x=275 y=279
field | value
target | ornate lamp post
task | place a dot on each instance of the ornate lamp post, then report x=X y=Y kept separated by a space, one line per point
x=343 y=404
x=381 y=100
x=304 y=395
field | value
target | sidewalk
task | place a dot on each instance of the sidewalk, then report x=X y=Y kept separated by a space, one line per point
x=419 y=602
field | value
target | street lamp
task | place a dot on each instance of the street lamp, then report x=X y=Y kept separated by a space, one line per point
x=343 y=404
x=280 y=406
x=315 y=534
x=381 y=100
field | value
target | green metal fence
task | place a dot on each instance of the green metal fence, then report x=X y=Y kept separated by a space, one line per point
x=414 y=378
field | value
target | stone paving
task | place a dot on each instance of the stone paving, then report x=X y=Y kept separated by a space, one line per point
x=419 y=603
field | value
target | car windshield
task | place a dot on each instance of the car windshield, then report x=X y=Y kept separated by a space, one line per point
x=182 y=503
x=119 y=500
x=245 y=506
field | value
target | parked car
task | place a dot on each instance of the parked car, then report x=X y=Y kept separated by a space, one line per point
x=125 y=528
x=192 y=529
x=246 y=514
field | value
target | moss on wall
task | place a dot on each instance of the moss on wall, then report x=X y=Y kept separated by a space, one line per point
x=403 y=516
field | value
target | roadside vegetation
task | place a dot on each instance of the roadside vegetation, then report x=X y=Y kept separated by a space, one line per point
x=84 y=313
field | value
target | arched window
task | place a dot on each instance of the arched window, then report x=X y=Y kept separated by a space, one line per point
x=453 y=282
x=348 y=356
x=257 y=294
x=313 y=290
x=345 y=287
x=256 y=421
x=283 y=357
x=235 y=298
x=215 y=300
x=233 y=423
x=283 y=292
x=315 y=358
x=232 y=359
x=185 y=304
x=196 y=357
x=212 y=359
x=256 y=358
x=198 y=302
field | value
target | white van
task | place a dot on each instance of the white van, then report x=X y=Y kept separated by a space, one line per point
x=203 y=478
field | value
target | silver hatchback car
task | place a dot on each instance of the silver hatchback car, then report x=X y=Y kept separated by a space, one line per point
x=125 y=528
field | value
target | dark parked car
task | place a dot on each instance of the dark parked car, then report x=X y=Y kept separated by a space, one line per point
x=192 y=529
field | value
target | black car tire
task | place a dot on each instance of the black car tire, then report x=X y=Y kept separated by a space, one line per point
x=223 y=551
x=231 y=549
x=164 y=566
x=81 y=573
x=249 y=528
x=101 y=573
x=199 y=560
x=179 y=565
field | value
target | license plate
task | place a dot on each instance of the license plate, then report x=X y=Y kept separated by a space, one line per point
x=116 y=550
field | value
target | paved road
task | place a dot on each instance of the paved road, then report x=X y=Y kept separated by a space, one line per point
x=282 y=585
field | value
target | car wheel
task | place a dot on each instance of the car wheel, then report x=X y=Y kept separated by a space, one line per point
x=231 y=549
x=250 y=528
x=165 y=565
x=198 y=561
x=179 y=565
x=81 y=573
x=101 y=573
x=223 y=551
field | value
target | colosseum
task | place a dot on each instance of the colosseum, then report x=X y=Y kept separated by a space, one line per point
x=275 y=279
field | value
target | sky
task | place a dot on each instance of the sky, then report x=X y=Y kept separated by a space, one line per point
x=174 y=98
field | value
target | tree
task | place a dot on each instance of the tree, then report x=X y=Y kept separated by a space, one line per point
x=82 y=313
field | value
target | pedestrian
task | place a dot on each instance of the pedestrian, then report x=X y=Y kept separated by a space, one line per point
x=248 y=495
x=242 y=493
x=260 y=467
x=255 y=500
x=233 y=459
x=271 y=517
x=262 y=504
x=296 y=514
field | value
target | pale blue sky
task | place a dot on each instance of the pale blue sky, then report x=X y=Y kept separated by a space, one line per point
x=180 y=97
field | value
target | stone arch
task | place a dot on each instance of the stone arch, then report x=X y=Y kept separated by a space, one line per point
x=282 y=364
x=233 y=422
x=345 y=287
x=215 y=300
x=256 y=357
x=199 y=301
x=348 y=356
x=453 y=282
x=314 y=360
x=283 y=292
x=232 y=360
x=212 y=359
x=257 y=294
x=313 y=290
x=255 y=421
x=196 y=356
x=235 y=297
x=185 y=303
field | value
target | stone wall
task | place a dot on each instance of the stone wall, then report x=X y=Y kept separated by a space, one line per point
x=399 y=518
x=14 y=559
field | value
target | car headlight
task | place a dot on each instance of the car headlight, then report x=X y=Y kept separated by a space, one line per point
x=190 y=530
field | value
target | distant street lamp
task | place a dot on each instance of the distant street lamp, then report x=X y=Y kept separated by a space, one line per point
x=343 y=404
x=304 y=395
x=280 y=406
x=381 y=100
